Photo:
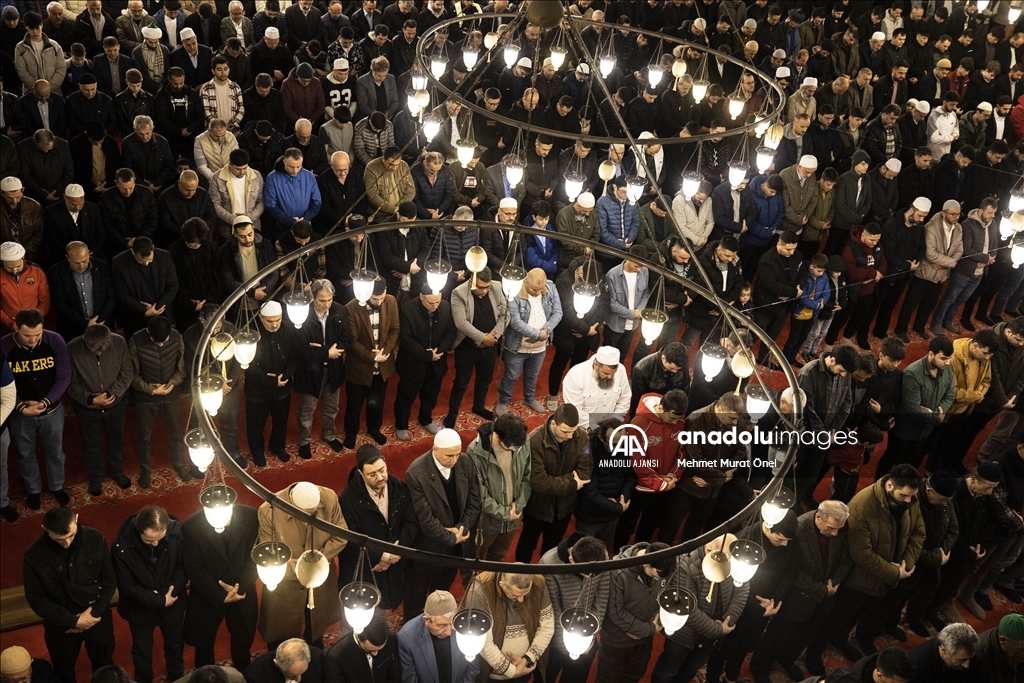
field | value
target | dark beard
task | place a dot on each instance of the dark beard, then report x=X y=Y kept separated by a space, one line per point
x=896 y=504
x=603 y=383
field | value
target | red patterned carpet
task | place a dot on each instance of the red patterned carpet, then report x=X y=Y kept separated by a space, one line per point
x=325 y=468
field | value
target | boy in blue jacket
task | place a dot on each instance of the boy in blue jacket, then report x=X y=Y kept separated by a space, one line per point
x=815 y=294
x=542 y=252
x=764 y=220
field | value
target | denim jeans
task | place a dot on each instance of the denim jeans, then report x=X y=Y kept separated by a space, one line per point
x=960 y=289
x=48 y=428
x=818 y=331
x=526 y=364
x=1012 y=559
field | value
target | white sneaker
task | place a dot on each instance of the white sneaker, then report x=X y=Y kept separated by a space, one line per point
x=553 y=404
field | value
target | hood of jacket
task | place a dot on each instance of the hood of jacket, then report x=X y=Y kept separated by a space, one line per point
x=755 y=186
x=855 y=234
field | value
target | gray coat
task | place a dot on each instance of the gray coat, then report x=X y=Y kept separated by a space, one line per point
x=850 y=211
x=632 y=603
x=565 y=589
x=810 y=587
x=366 y=96
x=975 y=253
x=701 y=623
x=829 y=399
x=621 y=311
x=463 y=304
x=111 y=372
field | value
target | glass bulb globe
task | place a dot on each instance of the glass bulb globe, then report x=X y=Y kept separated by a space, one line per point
x=765 y=157
x=700 y=89
x=211 y=393
x=245 y=345
x=1017 y=255
x=271 y=559
x=419 y=81
x=736 y=107
x=652 y=322
x=635 y=186
x=412 y=105
x=362 y=284
x=490 y=40
x=574 y=184
x=558 y=57
x=606 y=171
x=465 y=148
x=773 y=136
x=476 y=258
x=1016 y=201
x=437 y=274
x=654 y=74
x=438 y=64
x=982 y=5
x=510 y=54
x=579 y=626
x=431 y=126
x=218 y=503
x=359 y=600
x=584 y=295
x=605 y=66
x=774 y=509
x=514 y=168
x=758 y=402
x=674 y=607
x=747 y=556
x=679 y=68
x=297 y=304
x=1014 y=14
x=691 y=184
x=422 y=98
x=200 y=450
x=470 y=55
x=737 y=173
x=471 y=627
x=712 y=361
x=741 y=365
x=512 y=280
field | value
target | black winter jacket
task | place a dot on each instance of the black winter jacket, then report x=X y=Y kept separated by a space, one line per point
x=564 y=337
x=145 y=574
x=128 y=217
x=650 y=377
x=314 y=361
x=597 y=500
x=152 y=161
x=940 y=532
x=174 y=210
x=901 y=244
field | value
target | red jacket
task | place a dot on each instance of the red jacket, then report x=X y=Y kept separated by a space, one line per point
x=862 y=264
x=302 y=102
x=663 y=447
x=30 y=290
x=1016 y=123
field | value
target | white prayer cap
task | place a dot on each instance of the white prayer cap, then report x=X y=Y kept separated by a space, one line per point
x=447 y=438
x=608 y=355
x=508 y=203
x=646 y=135
x=152 y=33
x=74 y=190
x=700 y=24
x=586 y=200
x=11 y=251
x=782 y=72
x=922 y=204
x=341 y=64
x=187 y=33
x=923 y=107
x=750 y=23
x=271 y=309
x=808 y=161
x=984 y=106
x=305 y=495
x=272 y=33
x=894 y=165
x=877 y=35
x=950 y=205
x=779 y=54
x=241 y=220
x=583 y=68
x=525 y=62
x=10 y=184
x=810 y=81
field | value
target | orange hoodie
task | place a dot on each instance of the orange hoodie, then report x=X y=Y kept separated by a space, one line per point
x=663 y=447
x=30 y=290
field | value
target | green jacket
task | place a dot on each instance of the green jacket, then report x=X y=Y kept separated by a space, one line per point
x=552 y=464
x=566 y=224
x=646 y=237
x=823 y=212
x=920 y=391
x=494 y=513
x=877 y=540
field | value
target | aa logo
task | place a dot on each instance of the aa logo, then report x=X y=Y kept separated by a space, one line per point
x=629 y=441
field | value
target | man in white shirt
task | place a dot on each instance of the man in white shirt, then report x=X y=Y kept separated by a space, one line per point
x=943 y=127
x=598 y=387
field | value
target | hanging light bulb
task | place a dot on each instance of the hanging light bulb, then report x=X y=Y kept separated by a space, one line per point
x=712 y=360
x=716 y=567
x=700 y=89
x=578 y=629
x=358 y=600
x=765 y=157
x=412 y=105
x=762 y=126
x=422 y=98
x=1014 y=13
x=674 y=607
x=1016 y=200
x=271 y=559
x=245 y=345
x=691 y=184
x=514 y=168
x=297 y=304
x=679 y=68
x=222 y=347
x=218 y=503
x=471 y=627
x=584 y=295
x=574 y=184
x=635 y=186
x=211 y=393
x=654 y=74
x=490 y=40
x=982 y=5
x=438 y=64
x=362 y=284
x=736 y=106
x=419 y=81
x=431 y=126
x=1017 y=255
x=774 y=509
x=510 y=54
x=741 y=365
x=758 y=402
x=476 y=260
x=470 y=55
x=606 y=171
x=737 y=173
x=773 y=136
x=465 y=148
x=558 y=57
x=652 y=322
x=437 y=274
x=200 y=450
x=512 y=278
x=605 y=65
x=312 y=569
x=747 y=556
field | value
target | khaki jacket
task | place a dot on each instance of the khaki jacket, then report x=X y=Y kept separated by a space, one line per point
x=940 y=256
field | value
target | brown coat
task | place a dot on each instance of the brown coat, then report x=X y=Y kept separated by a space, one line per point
x=282 y=610
x=359 y=360
x=31 y=227
x=553 y=489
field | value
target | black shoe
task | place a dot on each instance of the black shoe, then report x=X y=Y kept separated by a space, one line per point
x=350 y=441
x=449 y=421
x=919 y=628
x=240 y=461
x=937 y=621
x=814 y=660
x=925 y=334
x=305 y=452
x=259 y=460
x=896 y=632
x=379 y=438
x=985 y=320
x=61 y=496
x=35 y=501
x=183 y=474
x=484 y=413
x=794 y=672
x=336 y=445
x=967 y=325
x=848 y=651
x=903 y=337
x=866 y=645
x=984 y=601
x=862 y=342
x=1009 y=593
x=122 y=481
x=144 y=480
x=281 y=454
x=96 y=490
x=195 y=473
x=875 y=332
x=9 y=514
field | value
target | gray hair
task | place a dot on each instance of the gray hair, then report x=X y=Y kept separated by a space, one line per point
x=235 y=3
x=959 y=638
x=141 y=121
x=217 y=123
x=303 y=123
x=321 y=285
x=463 y=213
x=790 y=394
x=865 y=72
x=291 y=652
x=51 y=5
x=835 y=510
x=520 y=581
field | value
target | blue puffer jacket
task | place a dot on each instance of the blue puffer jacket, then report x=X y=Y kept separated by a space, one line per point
x=765 y=216
x=816 y=292
x=616 y=228
x=519 y=317
x=543 y=257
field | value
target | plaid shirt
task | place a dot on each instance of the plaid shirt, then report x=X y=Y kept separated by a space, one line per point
x=890 y=141
x=208 y=96
x=1011 y=521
